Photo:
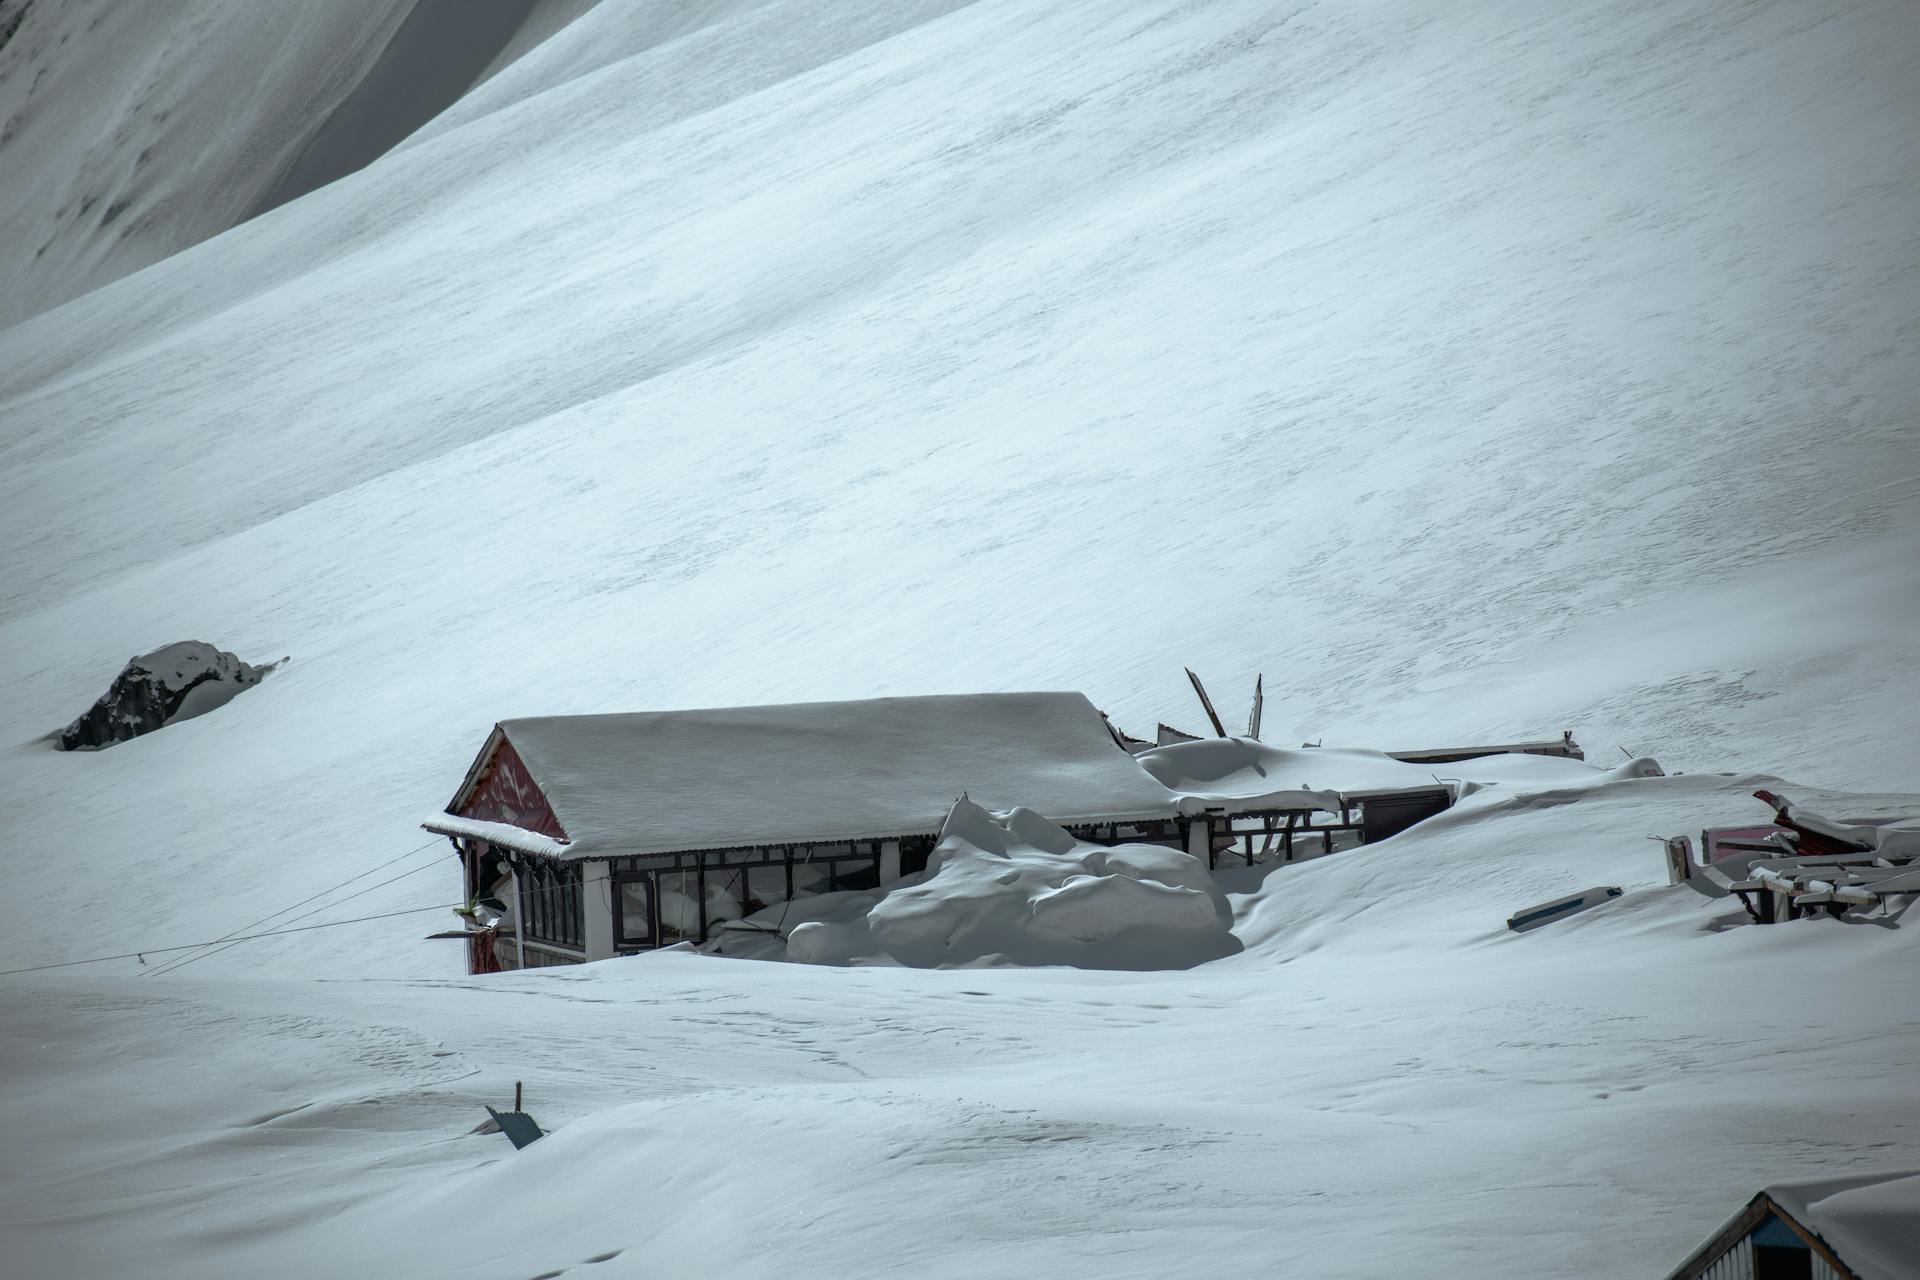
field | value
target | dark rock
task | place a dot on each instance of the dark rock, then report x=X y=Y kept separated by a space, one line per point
x=155 y=689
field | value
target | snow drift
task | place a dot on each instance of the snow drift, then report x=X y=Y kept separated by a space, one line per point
x=1014 y=888
x=1010 y=888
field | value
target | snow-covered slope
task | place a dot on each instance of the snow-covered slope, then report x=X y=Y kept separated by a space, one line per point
x=131 y=131
x=1386 y=1082
x=1480 y=376
x=1470 y=370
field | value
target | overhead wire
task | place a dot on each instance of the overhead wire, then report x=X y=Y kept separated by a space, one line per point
x=183 y=962
x=189 y=946
x=230 y=935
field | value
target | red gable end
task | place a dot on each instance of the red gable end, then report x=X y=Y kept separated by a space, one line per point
x=506 y=792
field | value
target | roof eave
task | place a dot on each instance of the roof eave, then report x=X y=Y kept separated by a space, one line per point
x=476 y=769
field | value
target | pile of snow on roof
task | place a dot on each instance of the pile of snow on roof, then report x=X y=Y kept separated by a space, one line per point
x=1246 y=773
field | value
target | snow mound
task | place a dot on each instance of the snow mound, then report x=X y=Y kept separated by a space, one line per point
x=1014 y=888
x=1008 y=889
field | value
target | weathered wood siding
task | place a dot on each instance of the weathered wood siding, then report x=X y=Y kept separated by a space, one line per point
x=506 y=793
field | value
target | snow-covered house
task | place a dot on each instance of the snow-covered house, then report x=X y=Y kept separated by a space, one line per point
x=605 y=834
x=1860 y=1227
x=584 y=837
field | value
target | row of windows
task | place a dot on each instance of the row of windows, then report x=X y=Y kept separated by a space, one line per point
x=660 y=908
x=551 y=898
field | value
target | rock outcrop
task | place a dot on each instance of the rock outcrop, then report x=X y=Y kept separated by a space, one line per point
x=176 y=682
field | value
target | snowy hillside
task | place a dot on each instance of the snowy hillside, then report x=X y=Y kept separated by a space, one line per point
x=1470 y=378
x=131 y=131
x=1473 y=372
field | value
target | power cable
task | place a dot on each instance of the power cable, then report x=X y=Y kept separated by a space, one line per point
x=184 y=961
x=172 y=965
x=272 y=933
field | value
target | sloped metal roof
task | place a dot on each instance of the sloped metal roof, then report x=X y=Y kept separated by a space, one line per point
x=665 y=781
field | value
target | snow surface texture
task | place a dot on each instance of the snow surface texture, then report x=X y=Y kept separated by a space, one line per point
x=122 y=138
x=1590 y=1099
x=1014 y=889
x=1475 y=371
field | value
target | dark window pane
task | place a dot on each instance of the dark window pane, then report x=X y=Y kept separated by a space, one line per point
x=852 y=873
x=766 y=885
x=1776 y=1262
x=726 y=897
x=810 y=878
x=636 y=911
x=679 y=905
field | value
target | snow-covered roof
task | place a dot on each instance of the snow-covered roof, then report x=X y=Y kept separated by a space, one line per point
x=500 y=833
x=1242 y=771
x=1871 y=1222
x=661 y=781
x=1245 y=772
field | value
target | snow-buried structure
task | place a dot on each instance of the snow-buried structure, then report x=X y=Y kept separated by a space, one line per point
x=175 y=682
x=585 y=837
x=1863 y=1226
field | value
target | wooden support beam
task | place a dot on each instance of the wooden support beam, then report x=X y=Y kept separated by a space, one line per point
x=1213 y=716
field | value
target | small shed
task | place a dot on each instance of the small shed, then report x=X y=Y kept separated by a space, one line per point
x=1859 y=1227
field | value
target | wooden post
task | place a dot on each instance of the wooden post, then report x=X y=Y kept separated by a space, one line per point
x=597 y=908
x=1219 y=730
x=516 y=1097
x=1679 y=859
x=519 y=918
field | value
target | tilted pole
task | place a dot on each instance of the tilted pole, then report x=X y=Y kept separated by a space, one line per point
x=1212 y=715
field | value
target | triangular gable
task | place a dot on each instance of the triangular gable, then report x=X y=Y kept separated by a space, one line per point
x=1764 y=1220
x=499 y=788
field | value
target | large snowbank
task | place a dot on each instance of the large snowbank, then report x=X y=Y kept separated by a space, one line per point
x=1016 y=889
x=1010 y=888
